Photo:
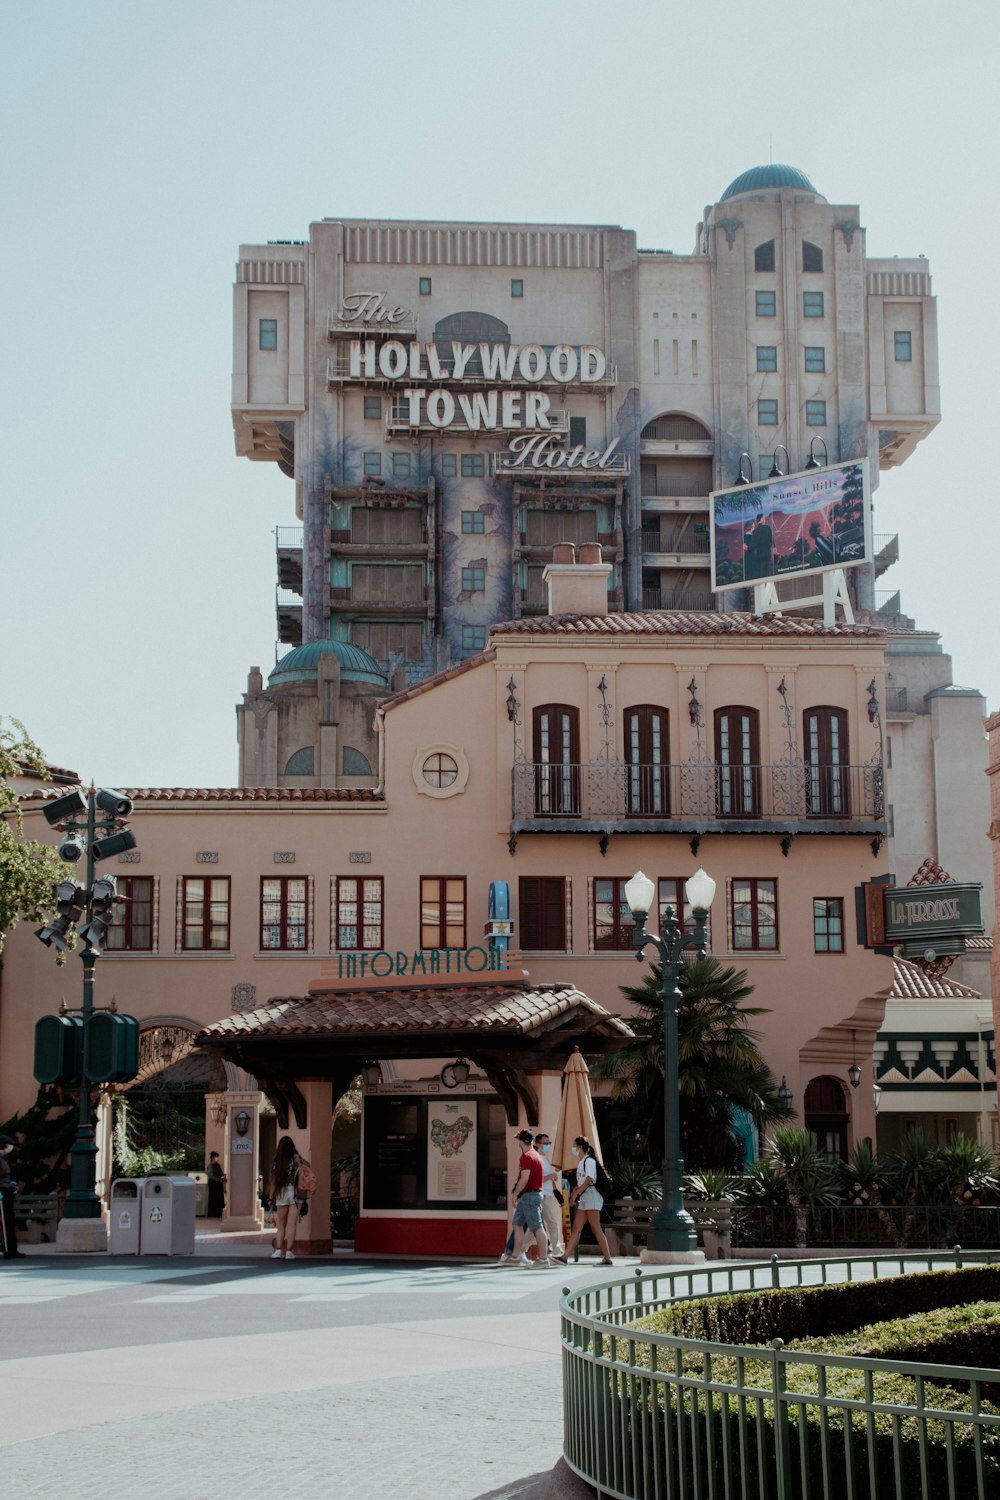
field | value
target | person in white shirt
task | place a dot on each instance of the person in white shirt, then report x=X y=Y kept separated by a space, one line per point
x=551 y=1207
x=587 y=1201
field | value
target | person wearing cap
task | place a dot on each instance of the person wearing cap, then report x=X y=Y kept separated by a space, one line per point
x=8 y=1225
x=526 y=1195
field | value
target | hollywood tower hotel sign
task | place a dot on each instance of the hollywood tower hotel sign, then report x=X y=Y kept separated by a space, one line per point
x=477 y=387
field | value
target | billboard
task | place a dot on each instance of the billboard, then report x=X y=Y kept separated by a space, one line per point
x=791 y=526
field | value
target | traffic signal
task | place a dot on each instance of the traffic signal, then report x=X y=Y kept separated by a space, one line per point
x=112 y=802
x=71 y=899
x=111 y=1047
x=58 y=1049
x=69 y=806
x=114 y=843
x=102 y=898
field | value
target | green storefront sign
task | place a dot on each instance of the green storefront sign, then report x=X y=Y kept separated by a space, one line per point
x=915 y=912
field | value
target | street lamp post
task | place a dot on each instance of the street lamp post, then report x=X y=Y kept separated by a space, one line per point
x=672 y=1231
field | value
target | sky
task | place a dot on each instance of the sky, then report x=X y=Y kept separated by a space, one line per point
x=144 y=143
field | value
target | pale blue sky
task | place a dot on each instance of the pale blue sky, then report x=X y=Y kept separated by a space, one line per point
x=143 y=143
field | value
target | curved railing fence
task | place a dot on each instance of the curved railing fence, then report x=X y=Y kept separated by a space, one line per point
x=656 y=1417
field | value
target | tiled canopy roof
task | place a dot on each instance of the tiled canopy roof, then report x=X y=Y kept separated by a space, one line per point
x=911 y=982
x=508 y=1009
x=679 y=622
x=238 y=794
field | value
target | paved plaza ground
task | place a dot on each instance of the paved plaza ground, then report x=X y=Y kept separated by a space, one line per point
x=233 y=1373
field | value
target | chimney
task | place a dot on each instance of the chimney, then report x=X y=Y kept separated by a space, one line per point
x=577 y=588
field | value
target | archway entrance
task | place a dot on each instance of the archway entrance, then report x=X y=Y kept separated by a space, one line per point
x=826 y=1116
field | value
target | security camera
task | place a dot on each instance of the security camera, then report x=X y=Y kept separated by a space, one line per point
x=72 y=848
x=115 y=843
x=116 y=803
x=69 y=806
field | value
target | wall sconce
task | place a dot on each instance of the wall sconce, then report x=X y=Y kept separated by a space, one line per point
x=512 y=703
x=694 y=707
x=873 y=713
x=776 y=472
x=813 y=462
x=854 y=1072
x=241 y=1120
x=741 y=478
x=371 y=1072
x=784 y=1092
x=218 y=1110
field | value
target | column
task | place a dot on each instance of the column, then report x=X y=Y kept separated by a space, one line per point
x=240 y=1157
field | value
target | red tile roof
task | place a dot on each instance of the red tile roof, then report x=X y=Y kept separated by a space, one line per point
x=679 y=622
x=510 y=1008
x=911 y=982
x=238 y=794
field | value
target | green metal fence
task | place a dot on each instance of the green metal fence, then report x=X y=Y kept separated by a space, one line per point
x=655 y=1417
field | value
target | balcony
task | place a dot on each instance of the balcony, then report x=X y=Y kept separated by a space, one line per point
x=700 y=598
x=349 y=601
x=673 y=543
x=886 y=549
x=397 y=423
x=288 y=608
x=288 y=546
x=406 y=328
x=702 y=798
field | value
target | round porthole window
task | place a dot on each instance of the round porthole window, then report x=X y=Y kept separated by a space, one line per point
x=440 y=770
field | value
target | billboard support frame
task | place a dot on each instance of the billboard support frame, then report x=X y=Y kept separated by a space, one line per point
x=766 y=601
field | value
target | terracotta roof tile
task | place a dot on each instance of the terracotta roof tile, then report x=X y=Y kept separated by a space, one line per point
x=911 y=982
x=494 y=1007
x=237 y=794
x=680 y=622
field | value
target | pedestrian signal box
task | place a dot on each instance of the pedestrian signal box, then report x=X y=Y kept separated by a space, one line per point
x=111 y=1047
x=58 y=1049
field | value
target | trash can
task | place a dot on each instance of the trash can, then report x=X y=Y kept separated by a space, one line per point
x=167 y=1216
x=200 y=1180
x=125 y=1215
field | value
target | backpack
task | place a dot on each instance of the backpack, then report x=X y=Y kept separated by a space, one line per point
x=306 y=1181
x=605 y=1185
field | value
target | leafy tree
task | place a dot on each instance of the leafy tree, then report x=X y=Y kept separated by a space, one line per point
x=720 y=1064
x=810 y=1177
x=29 y=870
x=44 y=1134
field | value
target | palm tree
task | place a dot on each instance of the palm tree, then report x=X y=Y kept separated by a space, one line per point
x=810 y=1177
x=720 y=1065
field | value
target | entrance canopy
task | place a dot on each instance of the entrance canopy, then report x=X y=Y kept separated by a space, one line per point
x=507 y=1029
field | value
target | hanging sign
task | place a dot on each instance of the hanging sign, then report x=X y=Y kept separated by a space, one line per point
x=914 y=912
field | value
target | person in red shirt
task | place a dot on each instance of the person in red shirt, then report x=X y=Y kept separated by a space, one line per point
x=526 y=1196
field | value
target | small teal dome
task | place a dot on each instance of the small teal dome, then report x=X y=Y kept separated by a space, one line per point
x=774 y=175
x=301 y=662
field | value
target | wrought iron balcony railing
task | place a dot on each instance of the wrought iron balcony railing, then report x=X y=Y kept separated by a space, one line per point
x=608 y=791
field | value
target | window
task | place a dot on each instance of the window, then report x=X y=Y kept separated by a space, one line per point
x=827 y=783
x=556 y=755
x=763 y=256
x=449 y=465
x=613 y=925
x=357 y=920
x=828 y=924
x=439 y=769
x=903 y=341
x=401 y=465
x=473 y=580
x=373 y=408
x=737 y=757
x=473 y=521
x=755 y=915
x=647 y=752
x=373 y=463
x=767 y=358
x=815 y=360
x=577 y=432
x=812 y=304
x=267 y=333
x=131 y=929
x=542 y=913
x=204 y=912
x=284 y=912
x=473 y=464
x=670 y=892
x=765 y=304
x=442 y=911
x=424 y=286
x=812 y=257
x=767 y=413
x=517 y=288
x=473 y=637
x=815 y=413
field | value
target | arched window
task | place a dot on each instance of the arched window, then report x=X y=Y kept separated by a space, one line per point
x=647 y=753
x=812 y=257
x=301 y=763
x=737 y=762
x=354 y=763
x=826 y=1117
x=469 y=328
x=556 y=747
x=677 y=425
x=763 y=256
x=827 y=751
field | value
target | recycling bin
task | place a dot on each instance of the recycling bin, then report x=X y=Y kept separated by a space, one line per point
x=200 y=1180
x=167 y=1215
x=125 y=1214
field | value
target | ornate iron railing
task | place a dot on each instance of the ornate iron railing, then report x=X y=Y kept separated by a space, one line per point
x=655 y=1417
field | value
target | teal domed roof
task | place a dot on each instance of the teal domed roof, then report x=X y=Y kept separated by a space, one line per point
x=355 y=664
x=774 y=175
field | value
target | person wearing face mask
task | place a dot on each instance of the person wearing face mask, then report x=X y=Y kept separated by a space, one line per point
x=587 y=1201
x=8 y=1226
x=551 y=1206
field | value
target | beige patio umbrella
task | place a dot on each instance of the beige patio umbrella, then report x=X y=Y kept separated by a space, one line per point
x=576 y=1114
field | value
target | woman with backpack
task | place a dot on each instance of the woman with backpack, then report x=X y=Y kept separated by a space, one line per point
x=587 y=1201
x=284 y=1191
